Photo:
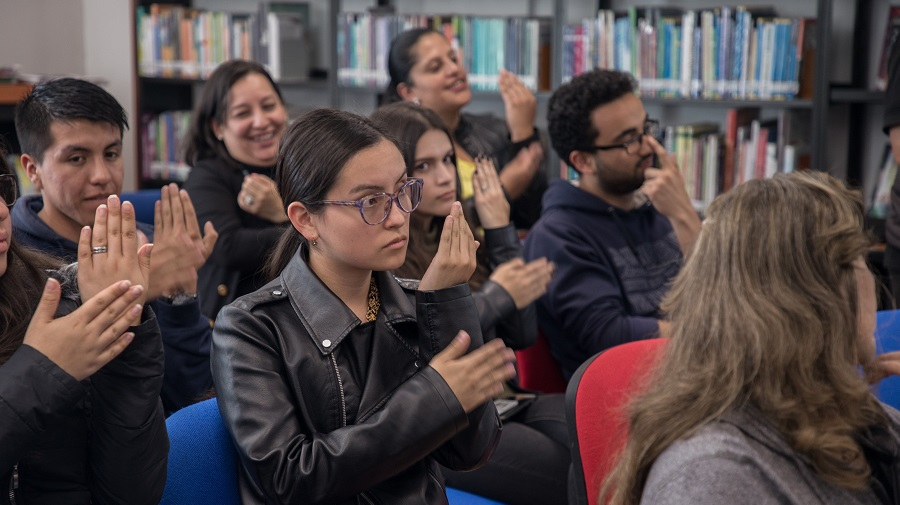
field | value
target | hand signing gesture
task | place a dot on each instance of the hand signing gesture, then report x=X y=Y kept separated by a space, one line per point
x=525 y=282
x=478 y=376
x=108 y=252
x=520 y=106
x=454 y=262
x=519 y=172
x=490 y=201
x=259 y=196
x=85 y=340
x=179 y=248
x=665 y=188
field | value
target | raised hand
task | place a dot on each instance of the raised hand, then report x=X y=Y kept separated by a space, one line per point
x=259 y=196
x=85 y=340
x=490 y=201
x=665 y=188
x=518 y=173
x=520 y=106
x=454 y=262
x=525 y=282
x=478 y=376
x=179 y=248
x=883 y=366
x=108 y=252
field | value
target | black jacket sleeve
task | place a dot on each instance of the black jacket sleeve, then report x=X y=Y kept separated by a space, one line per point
x=496 y=308
x=129 y=444
x=441 y=315
x=186 y=340
x=213 y=191
x=35 y=393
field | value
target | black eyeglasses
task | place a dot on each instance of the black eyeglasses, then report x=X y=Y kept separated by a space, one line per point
x=374 y=209
x=9 y=189
x=632 y=145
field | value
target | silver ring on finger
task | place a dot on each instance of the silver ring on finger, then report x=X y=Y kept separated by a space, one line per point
x=248 y=200
x=99 y=249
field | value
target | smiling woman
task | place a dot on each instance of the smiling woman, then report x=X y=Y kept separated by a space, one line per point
x=235 y=130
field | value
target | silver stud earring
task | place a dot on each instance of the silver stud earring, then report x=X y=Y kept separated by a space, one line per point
x=315 y=243
x=416 y=101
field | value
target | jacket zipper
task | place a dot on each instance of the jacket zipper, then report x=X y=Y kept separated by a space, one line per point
x=341 y=388
x=13 y=484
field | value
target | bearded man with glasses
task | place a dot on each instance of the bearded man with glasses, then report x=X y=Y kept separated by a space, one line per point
x=619 y=236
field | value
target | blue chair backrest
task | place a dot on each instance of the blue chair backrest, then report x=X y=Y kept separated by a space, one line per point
x=887 y=338
x=143 y=201
x=203 y=462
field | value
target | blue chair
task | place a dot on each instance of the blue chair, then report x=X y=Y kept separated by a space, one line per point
x=203 y=462
x=457 y=497
x=143 y=201
x=887 y=338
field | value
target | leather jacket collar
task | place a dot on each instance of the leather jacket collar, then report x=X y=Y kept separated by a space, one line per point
x=328 y=327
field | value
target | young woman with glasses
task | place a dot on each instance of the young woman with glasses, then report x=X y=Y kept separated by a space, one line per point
x=531 y=462
x=80 y=416
x=338 y=383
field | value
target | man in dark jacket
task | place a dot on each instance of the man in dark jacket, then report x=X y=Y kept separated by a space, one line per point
x=71 y=135
x=619 y=236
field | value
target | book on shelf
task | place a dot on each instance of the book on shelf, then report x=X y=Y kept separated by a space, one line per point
x=484 y=45
x=284 y=43
x=881 y=195
x=891 y=33
x=182 y=42
x=720 y=53
x=175 y=41
x=161 y=145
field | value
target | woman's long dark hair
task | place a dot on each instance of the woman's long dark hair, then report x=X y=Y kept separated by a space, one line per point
x=407 y=122
x=401 y=60
x=312 y=154
x=201 y=142
x=20 y=288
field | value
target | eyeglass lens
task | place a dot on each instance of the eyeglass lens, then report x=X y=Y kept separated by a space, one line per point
x=377 y=207
x=651 y=128
x=8 y=189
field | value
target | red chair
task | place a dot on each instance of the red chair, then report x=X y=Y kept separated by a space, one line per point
x=595 y=399
x=538 y=371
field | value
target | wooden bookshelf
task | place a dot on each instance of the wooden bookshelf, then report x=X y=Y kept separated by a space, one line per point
x=11 y=94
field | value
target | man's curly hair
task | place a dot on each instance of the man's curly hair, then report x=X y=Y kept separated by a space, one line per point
x=570 y=107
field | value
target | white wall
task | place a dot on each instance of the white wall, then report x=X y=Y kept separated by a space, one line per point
x=43 y=36
x=109 y=54
x=78 y=38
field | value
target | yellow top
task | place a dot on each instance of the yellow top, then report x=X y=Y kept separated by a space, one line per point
x=466 y=170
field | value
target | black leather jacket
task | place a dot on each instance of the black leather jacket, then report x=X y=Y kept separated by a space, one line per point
x=326 y=410
x=99 y=441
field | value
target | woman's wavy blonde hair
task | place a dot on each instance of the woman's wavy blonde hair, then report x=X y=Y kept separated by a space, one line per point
x=764 y=313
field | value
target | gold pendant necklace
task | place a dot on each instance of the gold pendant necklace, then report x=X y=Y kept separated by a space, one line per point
x=374 y=301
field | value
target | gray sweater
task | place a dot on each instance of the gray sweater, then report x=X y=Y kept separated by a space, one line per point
x=744 y=460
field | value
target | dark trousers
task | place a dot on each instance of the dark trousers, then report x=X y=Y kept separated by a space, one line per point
x=531 y=463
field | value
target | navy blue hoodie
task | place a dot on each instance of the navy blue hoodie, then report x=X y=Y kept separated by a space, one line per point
x=613 y=268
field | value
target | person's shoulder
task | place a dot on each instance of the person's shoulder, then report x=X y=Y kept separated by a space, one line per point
x=269 y=295
x=716 y=461
x=483 y=121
